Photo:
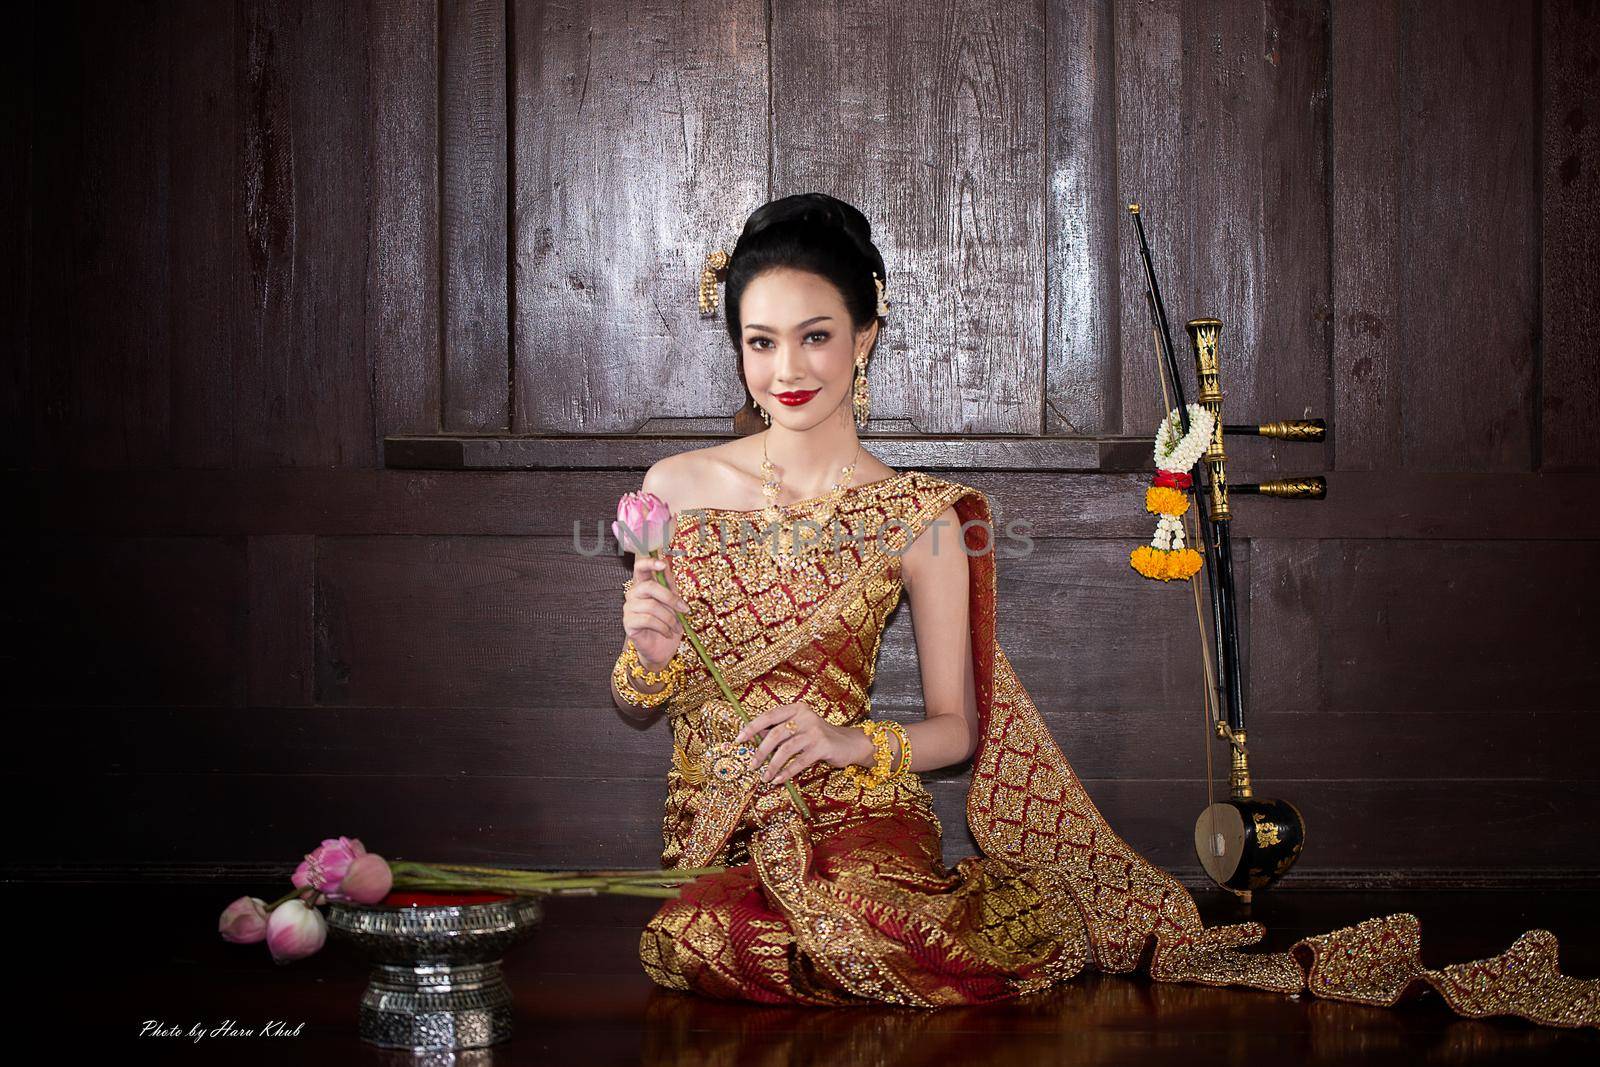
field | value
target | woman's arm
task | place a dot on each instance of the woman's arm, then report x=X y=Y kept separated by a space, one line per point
x=934 y=572
x=649 y=611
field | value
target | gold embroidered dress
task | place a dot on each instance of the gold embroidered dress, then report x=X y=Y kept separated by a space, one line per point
x=856 y=905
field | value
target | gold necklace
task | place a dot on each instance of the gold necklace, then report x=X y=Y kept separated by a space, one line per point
x=794 y=543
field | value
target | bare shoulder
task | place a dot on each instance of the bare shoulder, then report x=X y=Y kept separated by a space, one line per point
x=707 y=477
x=936 y=555
x=872 y=469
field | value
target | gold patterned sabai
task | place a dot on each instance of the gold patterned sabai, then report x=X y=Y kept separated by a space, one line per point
x=857 y=905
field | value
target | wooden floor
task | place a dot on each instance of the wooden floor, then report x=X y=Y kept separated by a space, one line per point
x=151 y=953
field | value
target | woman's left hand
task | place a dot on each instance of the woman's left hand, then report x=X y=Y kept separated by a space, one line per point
x=798 y=737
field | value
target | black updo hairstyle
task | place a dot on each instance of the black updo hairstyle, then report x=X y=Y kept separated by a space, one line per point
x=813 y=232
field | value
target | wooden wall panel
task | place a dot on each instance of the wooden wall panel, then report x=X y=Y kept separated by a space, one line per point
x=1084 y=214
x=1377 y=830
x=258 y=239
x=1569 y=232
x=497 y=741
x=1469 y=198
x=208 y=261
x=1367 y=236
x=1255 y=108
x=302 y=378
x=280 y=650
x=933 y=125
x=1420 y=627
x=640 y=147
x=133 y=622
x=403 y=273
x=101 y=297
x=473 y=214
x=1221 y=137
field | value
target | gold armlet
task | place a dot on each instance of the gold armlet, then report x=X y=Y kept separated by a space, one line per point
x=629 y=667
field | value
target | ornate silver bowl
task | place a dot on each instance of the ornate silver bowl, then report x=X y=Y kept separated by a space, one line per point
x=436 y=983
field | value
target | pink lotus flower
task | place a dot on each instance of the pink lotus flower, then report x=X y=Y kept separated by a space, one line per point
x=295 y=931
x=368 y=880
x=644 y=523
x=244 y=922
x=326 y=865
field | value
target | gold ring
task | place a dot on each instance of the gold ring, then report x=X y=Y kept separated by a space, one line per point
x=790 y=724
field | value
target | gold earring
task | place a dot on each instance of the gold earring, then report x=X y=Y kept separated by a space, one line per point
x=766 y=418
x=716 y=263
x=863 y=399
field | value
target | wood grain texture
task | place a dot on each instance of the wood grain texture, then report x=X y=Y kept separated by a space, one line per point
x=933 y=126
x=208 y=254
x=1221 y=119
x=1084 y=214
x=403 y=274
x=1255 y=104
x=302 y=378
x=281 y=619
x=266 y=248
x=641 y=146
x=1469 y=195
x=1377 y=505
x=615 y=820
x=1569 y=231
x=1148 y=739
x=473 y=214
x=1368 y=235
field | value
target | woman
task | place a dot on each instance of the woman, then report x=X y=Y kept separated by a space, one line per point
x=789 y=549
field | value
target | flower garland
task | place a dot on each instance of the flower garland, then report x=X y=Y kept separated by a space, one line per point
x=1165 y=557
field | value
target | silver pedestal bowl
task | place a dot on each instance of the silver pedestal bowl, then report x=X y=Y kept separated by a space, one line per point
x=436 y=982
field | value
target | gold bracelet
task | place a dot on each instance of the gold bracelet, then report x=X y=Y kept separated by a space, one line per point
x=637 y=669
x=903 y=768
x=878 y=734
x=628 y=663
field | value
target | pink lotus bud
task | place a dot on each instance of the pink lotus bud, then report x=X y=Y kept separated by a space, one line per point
x=368 y=880
x=324 y=866
x=295 y=931
x=643 y=523
x=244 y=922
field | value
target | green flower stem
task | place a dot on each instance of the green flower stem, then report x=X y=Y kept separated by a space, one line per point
x=685 y=874
x=410 y=874
x=662 y=892
x=705 y=657
x=295 y=892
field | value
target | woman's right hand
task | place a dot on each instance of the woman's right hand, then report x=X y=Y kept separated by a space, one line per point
x=649 y=613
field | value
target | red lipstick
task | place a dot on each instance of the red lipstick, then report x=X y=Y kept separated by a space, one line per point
x=796 y=398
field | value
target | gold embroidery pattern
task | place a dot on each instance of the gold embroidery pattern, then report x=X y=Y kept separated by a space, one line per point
x=755 y=619
x=857 y=905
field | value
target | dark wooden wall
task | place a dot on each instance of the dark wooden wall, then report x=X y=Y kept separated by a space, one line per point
x=332 y=319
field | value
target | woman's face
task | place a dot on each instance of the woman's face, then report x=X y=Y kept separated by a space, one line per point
x=799 y=347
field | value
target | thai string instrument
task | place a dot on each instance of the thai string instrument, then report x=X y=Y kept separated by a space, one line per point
x=1245 y=842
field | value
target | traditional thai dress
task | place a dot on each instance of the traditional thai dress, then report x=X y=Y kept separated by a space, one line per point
x=856 y=904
